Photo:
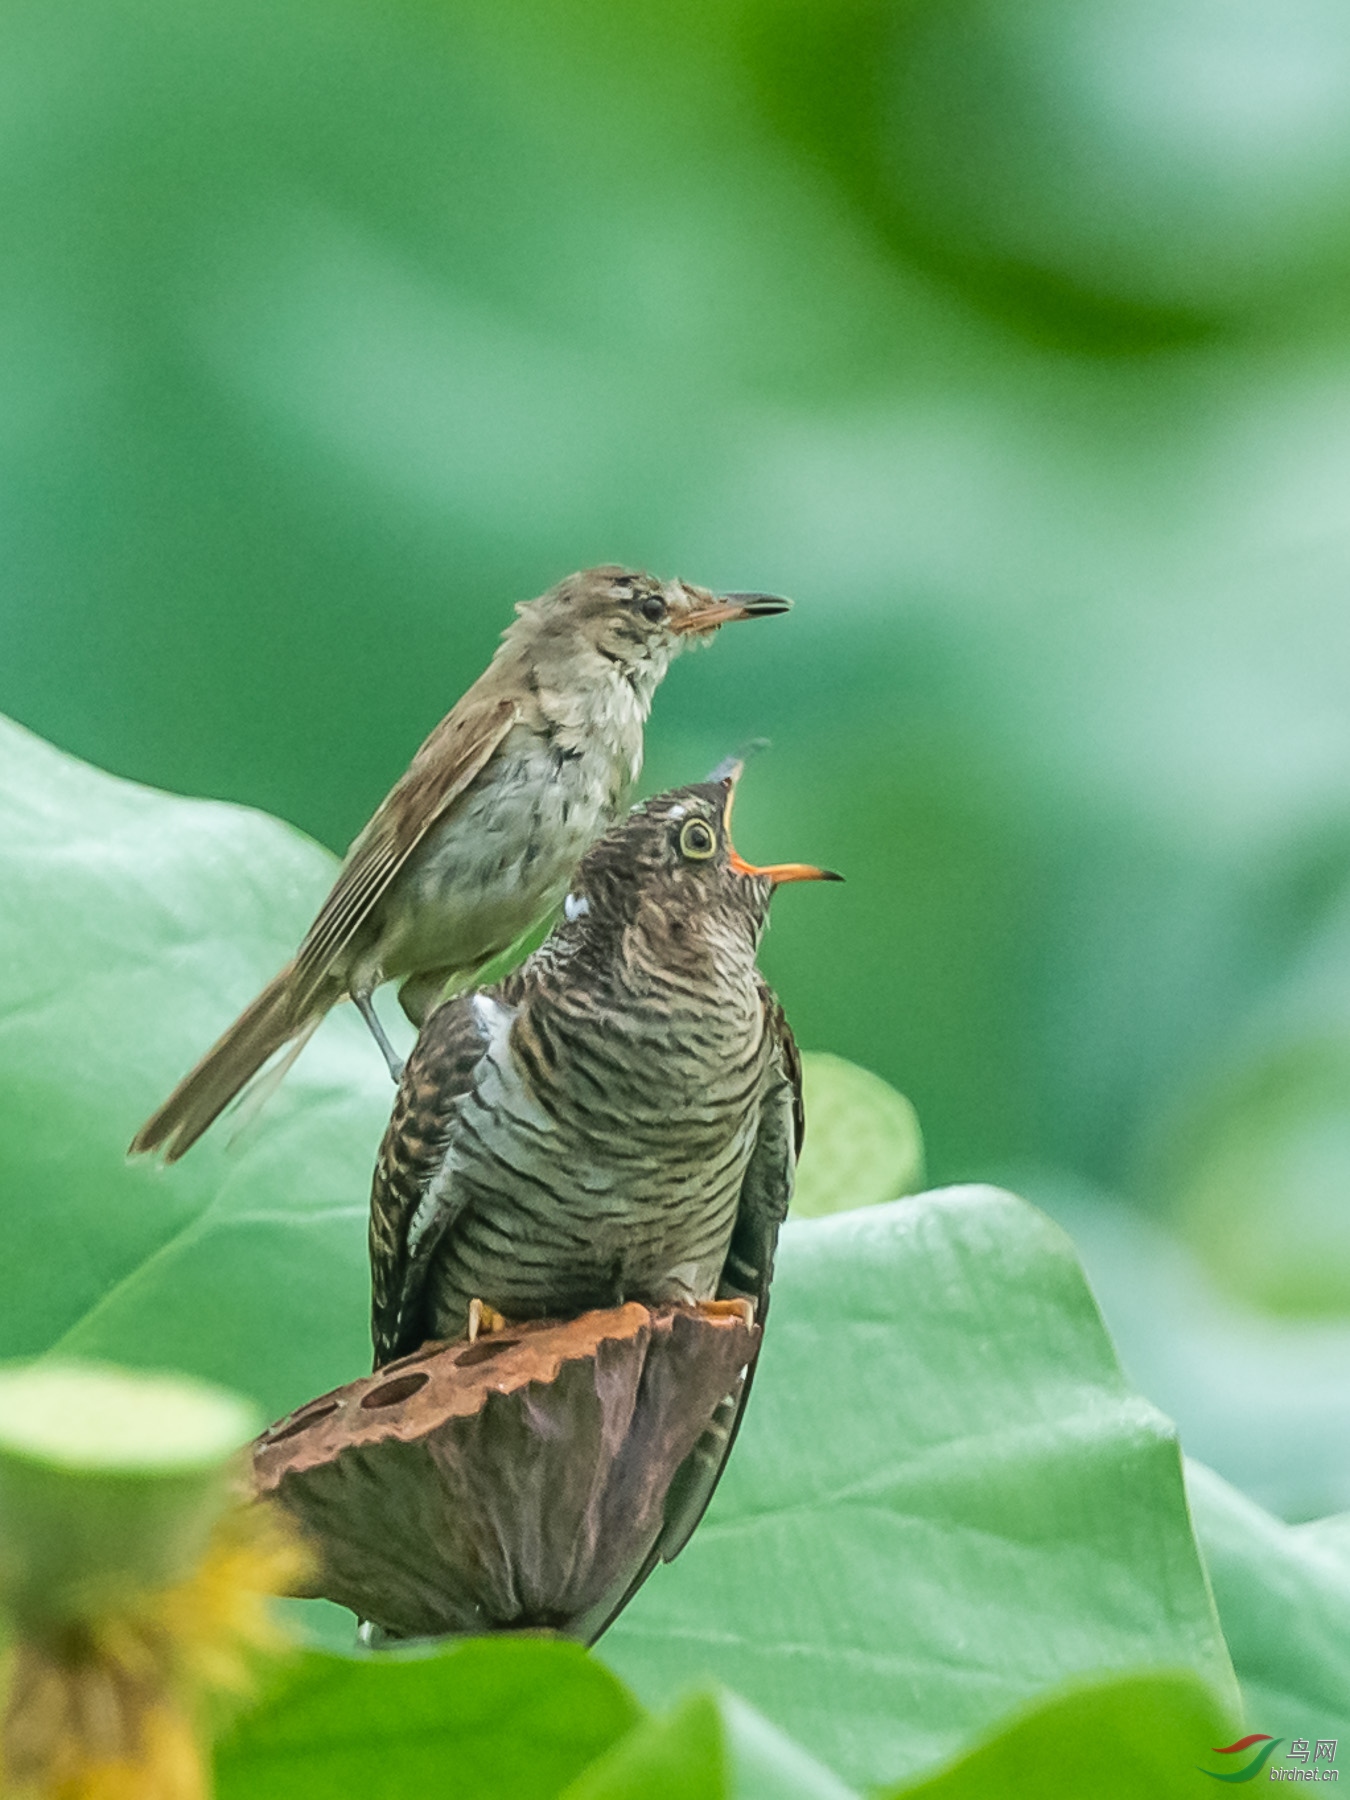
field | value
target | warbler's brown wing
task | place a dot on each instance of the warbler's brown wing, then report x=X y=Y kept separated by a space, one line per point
x=411 y=1204
x=747 y=1274
x=456 y=751
x=292 y=1004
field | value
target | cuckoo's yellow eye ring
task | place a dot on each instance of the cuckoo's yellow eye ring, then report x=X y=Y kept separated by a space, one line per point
x=698 y=840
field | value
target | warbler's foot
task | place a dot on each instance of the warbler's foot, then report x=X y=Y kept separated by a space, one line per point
x=483 y=1319
x=744 y=1310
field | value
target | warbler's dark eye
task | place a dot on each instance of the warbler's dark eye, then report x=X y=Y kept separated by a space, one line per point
x=653 y=609
x=698 y=840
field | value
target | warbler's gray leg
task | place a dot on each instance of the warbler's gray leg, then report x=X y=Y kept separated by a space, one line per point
x=366 y=1007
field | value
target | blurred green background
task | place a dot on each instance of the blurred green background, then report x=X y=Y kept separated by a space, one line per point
x=1012 y=340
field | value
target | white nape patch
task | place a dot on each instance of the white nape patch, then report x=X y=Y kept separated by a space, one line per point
x=575 y=906
x=677 y=812
x=490 y=1014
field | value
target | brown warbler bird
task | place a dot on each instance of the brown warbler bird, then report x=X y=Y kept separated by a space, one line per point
x=619 y=1119
x=477 y=841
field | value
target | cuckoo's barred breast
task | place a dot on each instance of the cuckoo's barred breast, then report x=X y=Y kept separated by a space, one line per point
x=599 y=1157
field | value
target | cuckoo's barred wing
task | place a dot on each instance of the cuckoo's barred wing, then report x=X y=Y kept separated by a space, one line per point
x=457 y=751
x=410 y=1206
x=766 y=1194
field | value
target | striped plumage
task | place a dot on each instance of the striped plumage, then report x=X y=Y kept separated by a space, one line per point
x=613 y=1120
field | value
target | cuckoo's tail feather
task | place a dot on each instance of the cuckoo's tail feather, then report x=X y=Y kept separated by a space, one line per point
x=272 y=1020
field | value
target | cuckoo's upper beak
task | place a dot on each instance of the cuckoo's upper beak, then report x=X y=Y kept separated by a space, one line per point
x=728 y=607
x=730 y=773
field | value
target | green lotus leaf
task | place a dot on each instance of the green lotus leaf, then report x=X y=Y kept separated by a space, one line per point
x=712 y=1746
x=863 y=1142
x=1119 y=1740
x=1283 y=1593
x=946 y=1501
x=136 y=926
x=490 y=1716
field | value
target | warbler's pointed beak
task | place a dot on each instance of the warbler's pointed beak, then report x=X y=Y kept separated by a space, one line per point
x=778 y=873
x=726 y=608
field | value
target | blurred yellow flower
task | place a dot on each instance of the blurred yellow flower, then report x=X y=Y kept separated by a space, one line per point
x=109 y=1686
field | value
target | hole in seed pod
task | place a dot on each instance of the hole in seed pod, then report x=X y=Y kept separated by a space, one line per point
x=303 y=1423
x=391 y=1392
x=483 y=1351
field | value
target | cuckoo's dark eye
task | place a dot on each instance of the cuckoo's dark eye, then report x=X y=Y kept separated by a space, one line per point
x=698 y=840
x=653 y=609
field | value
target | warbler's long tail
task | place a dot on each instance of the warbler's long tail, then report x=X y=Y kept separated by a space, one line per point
x=273 y=1019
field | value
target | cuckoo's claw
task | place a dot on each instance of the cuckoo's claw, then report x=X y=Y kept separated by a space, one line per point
x=744 y=1310
x=483 y=1318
